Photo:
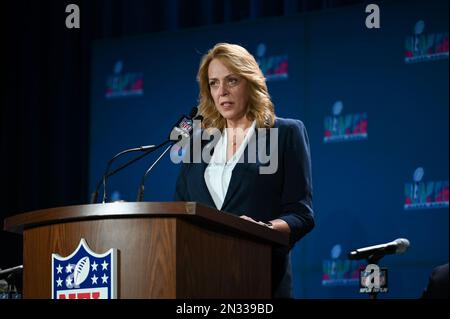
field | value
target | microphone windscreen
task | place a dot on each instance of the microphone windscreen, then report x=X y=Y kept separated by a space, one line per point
x=402 y=245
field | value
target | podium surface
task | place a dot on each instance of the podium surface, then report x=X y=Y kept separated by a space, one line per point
x=165 y=249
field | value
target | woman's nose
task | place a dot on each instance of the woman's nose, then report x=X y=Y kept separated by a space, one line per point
x=223 y=90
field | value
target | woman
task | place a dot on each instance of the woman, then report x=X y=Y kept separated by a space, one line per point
x=234 y=99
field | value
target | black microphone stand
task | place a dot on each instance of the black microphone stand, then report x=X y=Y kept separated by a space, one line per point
x=140 y=196
x=374 y=259
x=182 y=132
x=146 y=149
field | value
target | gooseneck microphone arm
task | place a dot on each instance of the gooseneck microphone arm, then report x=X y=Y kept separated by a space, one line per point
x=137 y=158
x=184 y=127
x=181 y=124
x=147 y=149
x=140 y=195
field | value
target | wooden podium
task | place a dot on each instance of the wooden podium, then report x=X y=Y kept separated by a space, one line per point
x=165 y=249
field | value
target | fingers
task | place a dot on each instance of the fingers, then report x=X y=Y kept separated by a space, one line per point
x=254 y=221
x=248 y=218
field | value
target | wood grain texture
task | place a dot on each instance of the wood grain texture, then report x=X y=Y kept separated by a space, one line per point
x=217 y=264
x=146 y=254
x=19 y=222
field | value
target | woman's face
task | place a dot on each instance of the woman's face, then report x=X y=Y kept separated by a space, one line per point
x=228 y=90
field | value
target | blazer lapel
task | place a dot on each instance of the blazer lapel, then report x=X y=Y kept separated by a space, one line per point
x=200 y=191
x=235 y=180
x=204 y=191
x=239 y=170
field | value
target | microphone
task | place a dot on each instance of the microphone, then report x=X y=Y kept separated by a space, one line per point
x=398 y=246
x=94 y=195
x=183 y=128
x=5 y=273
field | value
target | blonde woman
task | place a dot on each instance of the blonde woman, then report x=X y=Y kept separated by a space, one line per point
x=234 y=99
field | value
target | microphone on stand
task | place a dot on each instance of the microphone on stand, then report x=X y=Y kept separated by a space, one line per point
x=4 y=273
x=13 y=278
x=183 y=128
x=398 y=246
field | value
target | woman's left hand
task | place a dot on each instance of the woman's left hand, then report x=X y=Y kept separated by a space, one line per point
x=256 y=222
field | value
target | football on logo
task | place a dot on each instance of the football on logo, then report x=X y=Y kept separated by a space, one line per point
x=81 y=271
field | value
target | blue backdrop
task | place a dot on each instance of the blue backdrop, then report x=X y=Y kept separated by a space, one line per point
x=374 y=101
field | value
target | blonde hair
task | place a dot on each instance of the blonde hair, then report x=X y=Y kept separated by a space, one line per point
x=242 y=63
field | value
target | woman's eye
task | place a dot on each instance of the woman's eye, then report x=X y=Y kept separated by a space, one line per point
x=232 y=81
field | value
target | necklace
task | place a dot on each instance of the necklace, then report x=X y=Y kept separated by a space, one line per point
x=234 y=141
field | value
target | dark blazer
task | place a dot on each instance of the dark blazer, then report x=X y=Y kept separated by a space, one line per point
x=286 y=194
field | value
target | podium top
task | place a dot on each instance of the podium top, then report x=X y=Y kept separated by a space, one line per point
x=186 y=210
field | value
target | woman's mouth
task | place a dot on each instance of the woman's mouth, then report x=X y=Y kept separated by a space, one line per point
x=226 y=105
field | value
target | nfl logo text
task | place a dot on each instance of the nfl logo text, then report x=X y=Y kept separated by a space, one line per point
x=373 y=279
x=84 y=274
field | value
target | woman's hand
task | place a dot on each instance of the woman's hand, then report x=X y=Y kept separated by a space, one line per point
x=277 y=224
x=257 y=222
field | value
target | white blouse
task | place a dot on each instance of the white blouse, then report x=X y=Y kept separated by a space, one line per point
x=219 y=171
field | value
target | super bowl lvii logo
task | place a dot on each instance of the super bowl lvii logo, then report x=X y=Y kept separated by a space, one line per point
x=421 y=47
x=343 y=128
x=338 y=271
x=84 y=274
x=425 y=195
x=274 y=67
x=124 y=84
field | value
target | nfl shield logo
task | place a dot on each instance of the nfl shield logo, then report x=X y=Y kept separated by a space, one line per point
x=84 y=274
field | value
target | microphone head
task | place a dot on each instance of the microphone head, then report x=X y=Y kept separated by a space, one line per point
x=402 y=245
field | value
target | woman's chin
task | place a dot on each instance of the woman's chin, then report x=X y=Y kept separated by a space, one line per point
x=228 y=114
x=231 y=115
